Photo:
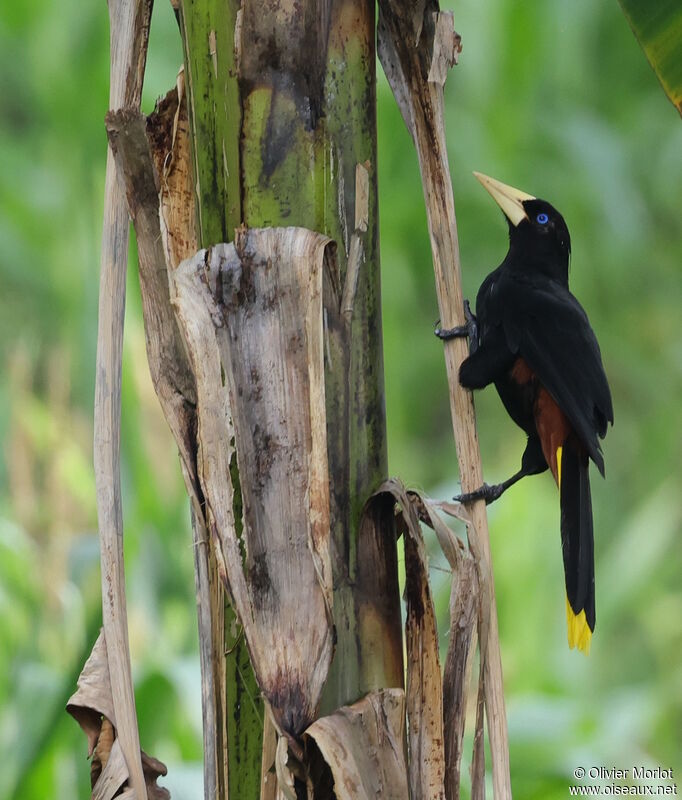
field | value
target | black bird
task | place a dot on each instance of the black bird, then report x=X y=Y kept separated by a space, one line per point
x=532 y=339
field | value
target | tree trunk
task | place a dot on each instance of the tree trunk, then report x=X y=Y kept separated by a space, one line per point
x=282 y=110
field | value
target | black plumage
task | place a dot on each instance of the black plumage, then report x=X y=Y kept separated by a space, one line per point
x=535 y=343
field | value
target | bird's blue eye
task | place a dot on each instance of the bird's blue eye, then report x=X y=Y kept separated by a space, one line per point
x=543 y=219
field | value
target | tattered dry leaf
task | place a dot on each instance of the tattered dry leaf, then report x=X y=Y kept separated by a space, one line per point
x=268 y=777
x=363 y=746
x=153 y=155
x=114 y=774
x=103 y=748
x=424 y=685
x=131 y=136
x=450 y=544
x=464 y=613
x=285 y=778
x=153 y=770
x=91 y=705
x=464 y=608
x=168 y=131
x=390 y=61
x=129 y=25
x=436 y=711
x=447 y=45
x=424 y=688
x=260 y=385
x=92 y=699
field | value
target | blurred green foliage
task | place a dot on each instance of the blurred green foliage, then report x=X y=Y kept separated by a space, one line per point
x=553 y=97
x=658 y=28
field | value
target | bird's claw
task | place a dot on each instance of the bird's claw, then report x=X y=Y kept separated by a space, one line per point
x=469 y=329
x=486 y=492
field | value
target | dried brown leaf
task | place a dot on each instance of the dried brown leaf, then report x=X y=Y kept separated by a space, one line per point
x=268 y=778
x=363 y=746
x=436 y=711
x=285 y=778
x=464 y=608
x=260 y=386
x=91 y=705
x=424 y=685
x=129 y=25
x=92 y=699
x=153 y=770
x=114 y=774
x=447 y=45
x=152 y=156
x=100 y=757
x=169 y=136
x=128 y=132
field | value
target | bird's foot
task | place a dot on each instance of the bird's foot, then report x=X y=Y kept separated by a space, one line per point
x=469 y=329
x=485 y=492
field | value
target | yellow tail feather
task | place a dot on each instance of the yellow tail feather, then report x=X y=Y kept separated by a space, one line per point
x=579 y=633
x=559 y=451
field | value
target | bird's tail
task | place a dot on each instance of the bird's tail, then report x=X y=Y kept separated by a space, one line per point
x=577 y=543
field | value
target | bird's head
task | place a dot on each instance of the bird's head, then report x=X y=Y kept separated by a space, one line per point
x=538 y=235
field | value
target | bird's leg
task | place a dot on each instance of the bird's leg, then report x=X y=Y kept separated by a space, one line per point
x=470 y=329
x=490 y=493
x=532 y=463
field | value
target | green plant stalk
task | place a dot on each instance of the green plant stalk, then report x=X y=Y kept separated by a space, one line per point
x=658 y=29
x=207 y=28
x=277 y=135
x=296 y=173
x=215 y=115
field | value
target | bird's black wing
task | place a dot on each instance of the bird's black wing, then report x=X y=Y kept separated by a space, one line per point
x=487 y=311
x=547 y=326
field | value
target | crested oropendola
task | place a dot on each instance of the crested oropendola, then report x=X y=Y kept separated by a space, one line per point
x=532 y=339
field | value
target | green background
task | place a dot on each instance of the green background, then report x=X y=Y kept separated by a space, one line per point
x=553 y=97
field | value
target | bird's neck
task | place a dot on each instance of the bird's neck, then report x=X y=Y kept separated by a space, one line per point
x=552 y=265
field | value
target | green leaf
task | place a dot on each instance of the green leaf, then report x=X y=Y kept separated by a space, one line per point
x=658 y=29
